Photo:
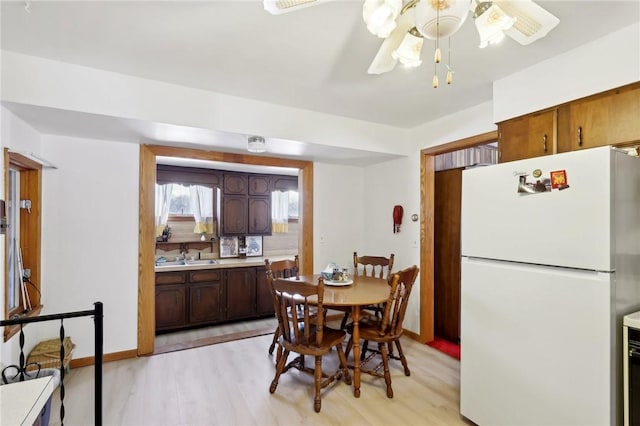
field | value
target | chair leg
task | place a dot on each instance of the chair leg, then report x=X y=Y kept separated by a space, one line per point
x=365 y=347
x=347 y=350
x=343 y=324
x=343 y=365
x=385 y=362
x=276 y=336
x=281 y=359
x=403 y=360
x=318 y=384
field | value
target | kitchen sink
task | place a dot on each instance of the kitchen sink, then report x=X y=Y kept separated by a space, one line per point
x=187 y=262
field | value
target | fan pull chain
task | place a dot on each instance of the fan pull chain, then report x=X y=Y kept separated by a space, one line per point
x=449 y=72
x=437 y=55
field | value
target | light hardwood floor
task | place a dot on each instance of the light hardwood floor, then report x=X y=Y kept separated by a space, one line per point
x=228 y=384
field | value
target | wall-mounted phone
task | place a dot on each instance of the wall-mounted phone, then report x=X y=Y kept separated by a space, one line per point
x=3 y=218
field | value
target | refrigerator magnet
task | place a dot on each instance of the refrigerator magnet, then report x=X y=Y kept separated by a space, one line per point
x=559 y=179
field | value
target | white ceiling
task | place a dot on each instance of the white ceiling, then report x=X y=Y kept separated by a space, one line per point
x=314 y=59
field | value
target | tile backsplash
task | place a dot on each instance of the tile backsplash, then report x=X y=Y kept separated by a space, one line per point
x=272 y=245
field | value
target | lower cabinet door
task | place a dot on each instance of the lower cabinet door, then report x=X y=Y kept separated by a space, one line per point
x=205 y=303
x=264 y=302
x=170 y=307
x=241 y=293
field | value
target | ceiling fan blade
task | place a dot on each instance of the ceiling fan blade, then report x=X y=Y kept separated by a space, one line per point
x=278 y=7
x=383 y=62
x=533 y=22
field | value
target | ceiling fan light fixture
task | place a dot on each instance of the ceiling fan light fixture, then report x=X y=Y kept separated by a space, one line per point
x=408 y=53
x=440 y=18
x=256 y=144
x=380 y=16
x=491 y=23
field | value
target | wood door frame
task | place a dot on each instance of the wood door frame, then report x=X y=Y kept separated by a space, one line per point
x=146 y=230
x=427 y=196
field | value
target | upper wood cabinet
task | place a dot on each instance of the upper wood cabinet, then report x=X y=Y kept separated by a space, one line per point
x=609 y=118
x=285 y=183
x=234 y=215
x=259 y=216
x=259 y=185
x=235 y=184
x=529 y=136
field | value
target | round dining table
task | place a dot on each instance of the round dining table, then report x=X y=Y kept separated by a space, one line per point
x=362 y=292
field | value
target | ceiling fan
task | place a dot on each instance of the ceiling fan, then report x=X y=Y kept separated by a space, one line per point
x=404 y=24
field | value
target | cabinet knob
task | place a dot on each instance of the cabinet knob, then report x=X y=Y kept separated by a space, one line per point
x=544 y=143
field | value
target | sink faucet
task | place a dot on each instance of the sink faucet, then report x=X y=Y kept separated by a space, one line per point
x=184 y=255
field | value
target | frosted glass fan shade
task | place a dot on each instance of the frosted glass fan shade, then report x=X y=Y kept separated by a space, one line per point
x=380 y=16
x=432 y=23
x=492 y=24
x=408 y=53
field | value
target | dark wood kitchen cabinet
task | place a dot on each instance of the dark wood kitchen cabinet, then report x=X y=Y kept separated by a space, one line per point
x=209 y=296
x=241 y=293
x=205 y=296
x=259 y=220
x=246 y=204
x=170 y=300
x=264 y=300
x=235 y=219
x=259 y=185
x=170 y=307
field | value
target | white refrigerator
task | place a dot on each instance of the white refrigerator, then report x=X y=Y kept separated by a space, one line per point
x=549 y=267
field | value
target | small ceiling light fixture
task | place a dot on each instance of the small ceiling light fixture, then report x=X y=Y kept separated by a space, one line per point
x=491 y=22
x=256 y=144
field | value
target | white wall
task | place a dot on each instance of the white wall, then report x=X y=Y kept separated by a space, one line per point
x=90 y=213
x=339 y=213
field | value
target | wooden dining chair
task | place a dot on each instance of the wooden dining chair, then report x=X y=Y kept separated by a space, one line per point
x=386 y=331
x=372 y=266
x=305 y=333
x=286 y=268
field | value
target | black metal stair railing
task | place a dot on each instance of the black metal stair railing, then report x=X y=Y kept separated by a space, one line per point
x=21 y=370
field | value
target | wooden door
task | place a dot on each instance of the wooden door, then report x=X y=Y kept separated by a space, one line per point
x=241 y=293
x=448 y=196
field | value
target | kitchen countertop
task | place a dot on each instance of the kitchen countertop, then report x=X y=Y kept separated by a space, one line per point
x=235 y=262
x=21 y=402
x=632 y=320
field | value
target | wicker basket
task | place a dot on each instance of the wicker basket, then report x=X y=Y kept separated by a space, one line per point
x=47 y=354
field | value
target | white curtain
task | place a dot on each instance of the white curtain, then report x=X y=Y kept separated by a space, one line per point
x=163 y=199
x=279 y=212
x=201 y=198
